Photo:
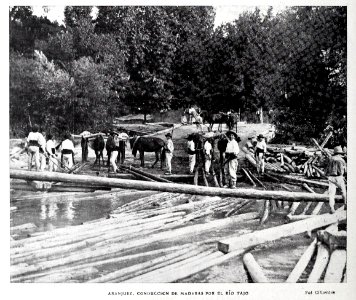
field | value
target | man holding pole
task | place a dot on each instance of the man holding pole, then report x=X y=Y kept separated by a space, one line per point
x=232 y=150
x=260 y=151
x=335 y=171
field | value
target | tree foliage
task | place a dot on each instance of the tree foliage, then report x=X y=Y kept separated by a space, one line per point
x=146 y=58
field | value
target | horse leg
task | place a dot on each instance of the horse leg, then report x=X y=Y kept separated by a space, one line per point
x=157 y=159
x=142 y=157
x=109 y=155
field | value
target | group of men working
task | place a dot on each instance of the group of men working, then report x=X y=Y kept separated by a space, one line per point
x=40 y=150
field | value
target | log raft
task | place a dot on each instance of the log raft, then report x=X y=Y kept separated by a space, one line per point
x=171 y=187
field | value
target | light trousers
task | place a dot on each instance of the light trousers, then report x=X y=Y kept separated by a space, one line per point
x=334 y=183
x=33 y=153
x=192 y=158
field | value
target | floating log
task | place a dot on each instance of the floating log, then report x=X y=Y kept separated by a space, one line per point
x=288 y=178
x=270 y=234
x=256 y=179
x=64 y=276
x=249 y=177
x=336 y=267
x=253 y=268
x=302 y=263
x=321 y=261
x=171 y=187
x=154 y=177
x=119 y=273
x=139 y=176
x=204 y=177
x=196 y=176
x=23 y=227
x=275 y=179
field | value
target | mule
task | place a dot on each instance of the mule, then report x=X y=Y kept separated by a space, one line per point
x=147 y=144
x=98 y=146
x=212 y=119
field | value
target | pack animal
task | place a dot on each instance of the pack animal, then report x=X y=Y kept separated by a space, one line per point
x=147 y=144
x=98 y=146
x=212 y=119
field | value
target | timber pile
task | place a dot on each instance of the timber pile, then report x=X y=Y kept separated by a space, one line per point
x=136 y=239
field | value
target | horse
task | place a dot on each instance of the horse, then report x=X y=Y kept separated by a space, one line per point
x=98 y=146
x=147 y=144
x=212 y=119
x=231 y=120
x=110 y=147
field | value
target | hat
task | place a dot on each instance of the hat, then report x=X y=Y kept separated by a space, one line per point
x=169 y=135
x=260 y=136
x=237 y=138
x=338 y=150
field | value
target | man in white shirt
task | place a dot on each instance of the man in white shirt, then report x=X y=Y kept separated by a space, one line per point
x=35 y=141
x=68 y=151
x=51 y=152
x=123 y=137
x=207 y=154
x=169 y=148
x=191 y=154
x=260 y=151
x=232 y=150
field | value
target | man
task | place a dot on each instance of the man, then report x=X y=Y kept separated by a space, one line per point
x=208 y=149
x=232 y=150
x=169 y=148
x=114 y=150
x=191 y=153
x=123 y=137
x=260 y=151
x=85 y=145
x=51 y=152
x=67 y=158
x=249 y=144
x=335 y=171
x=35 y=141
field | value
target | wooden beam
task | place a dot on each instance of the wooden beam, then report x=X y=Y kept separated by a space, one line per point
x=271 y=234
x=321 y=261
x=170 y=187
x=335 y=267
x=154 y=177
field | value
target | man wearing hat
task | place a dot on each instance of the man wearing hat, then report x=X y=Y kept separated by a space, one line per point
x=191 y=153
x=67 y=158
x=35 y=141
x=123 y=137
x=260 y=151
x=168 y=148
x=232 y=150
x=335 y=171
x=208 y=149
x=250 y=144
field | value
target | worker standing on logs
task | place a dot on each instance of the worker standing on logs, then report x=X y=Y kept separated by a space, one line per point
x=232 y=150
x=123 y=137
x=260 y=151
x=35 y=141
x=191 y=153
x=51 y=152
x=207 y=154
x=335 y=171
x=114 y=143
x=85 y=144
x=168 y=148
x=67 y=158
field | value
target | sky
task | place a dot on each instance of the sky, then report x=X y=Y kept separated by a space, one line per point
x=224 y=14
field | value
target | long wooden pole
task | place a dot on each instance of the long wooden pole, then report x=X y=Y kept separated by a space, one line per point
x=253 y=268
x=278 y=232
x=170 y=187
x=321 y=261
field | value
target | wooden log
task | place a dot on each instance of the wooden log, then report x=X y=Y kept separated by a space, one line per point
x=266 y=211
x=171 y=187
x=320 y=148
x=139 y=176
x=110 y=261
x=287 y=158
x=23 y=227
x=204 y=177
x=83 y=274
x=119 y=273
x=104 y=252
x=196 y=176
x=321 y=261
x=336 y=267
x=302 y=263
x=293 y=218
x=215 y=180
x=322 y=145
x=278 y=232
x=321 y=173
x=256 y=179
x=248 y=177
x=154 y=177
x=253 y=268
x=275 y=179
x=288 y=178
